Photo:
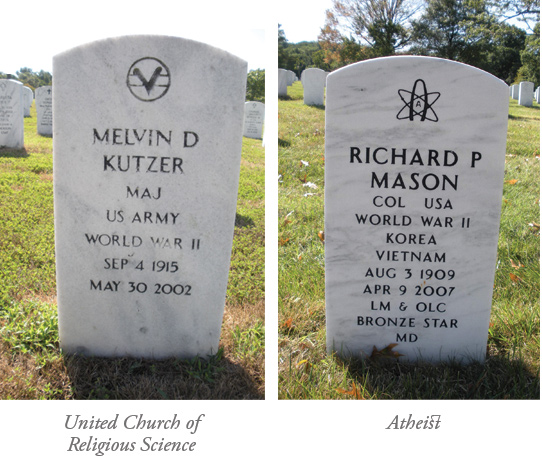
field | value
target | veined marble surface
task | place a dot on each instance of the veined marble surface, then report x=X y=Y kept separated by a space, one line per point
x=414 y=168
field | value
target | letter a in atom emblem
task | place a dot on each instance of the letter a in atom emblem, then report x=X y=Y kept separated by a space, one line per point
x=418 y=103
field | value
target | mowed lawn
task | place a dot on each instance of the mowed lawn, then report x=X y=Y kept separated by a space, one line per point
x=32 y=365
x=307 y=371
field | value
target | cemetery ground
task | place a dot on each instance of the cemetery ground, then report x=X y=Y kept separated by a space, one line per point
x=307 y=371
x=32 y=365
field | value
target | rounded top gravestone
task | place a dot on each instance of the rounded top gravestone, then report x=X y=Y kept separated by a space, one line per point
x=414 y=167
x=11 y=114
x=254 y=118
x=44 y=108
x=314 y=82
x=147 y=150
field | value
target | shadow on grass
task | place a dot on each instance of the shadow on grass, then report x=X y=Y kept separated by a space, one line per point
x=522 y=118
x=319 y=107
x=284 y=143
x=497 y=378
x=137 y=379
x=243 y=221
x=10 y=152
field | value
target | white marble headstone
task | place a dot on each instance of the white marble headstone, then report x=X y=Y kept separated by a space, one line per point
x=414 y=169
x=291 y=77
x=314 y=82
x=44 y=109
x=28 y=99
x=283 y=82
x=515 y=91
x=11 y=114
x=254 y=118
x=147 y=150
x=526 y=91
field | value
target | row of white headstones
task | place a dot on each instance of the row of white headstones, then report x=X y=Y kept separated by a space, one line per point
x=314 y=80
x=524 y=93
x=15 y=103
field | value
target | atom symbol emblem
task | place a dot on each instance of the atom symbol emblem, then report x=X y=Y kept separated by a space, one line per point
x=418 y=103
x=148 y=79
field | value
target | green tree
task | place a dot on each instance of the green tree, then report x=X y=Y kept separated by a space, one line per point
x=256 y=85
x=283 y=55
x=503 y=53
x=28 y=77
x=472 y=32
x=33 y=79
x=297 y=56
x=45 y=78
x=452 y=29
x=337 y=50
x=530 y=58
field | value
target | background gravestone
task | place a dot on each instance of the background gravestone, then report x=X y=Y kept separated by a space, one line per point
x=44 y=109
x=28 y=98
x=147 y=149
x=526 y=91
x=283 y=82
x=11 y=114
x=254 y=118
x=314 y=82
x=414 y=172
x=515 y=91
x=291 y=77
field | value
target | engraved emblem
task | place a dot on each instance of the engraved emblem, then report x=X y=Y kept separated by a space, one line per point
x=148 y=79
x=418 y=103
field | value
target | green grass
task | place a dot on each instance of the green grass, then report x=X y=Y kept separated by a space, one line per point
x=307 y=371
x=32 y=365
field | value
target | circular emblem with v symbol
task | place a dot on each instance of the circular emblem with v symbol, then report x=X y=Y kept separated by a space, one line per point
x=148 y=79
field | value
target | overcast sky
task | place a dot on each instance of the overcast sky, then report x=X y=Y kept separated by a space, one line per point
x=34 y=31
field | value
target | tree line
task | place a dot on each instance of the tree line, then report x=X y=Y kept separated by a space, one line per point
x=29 y=78
x=482 y=33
